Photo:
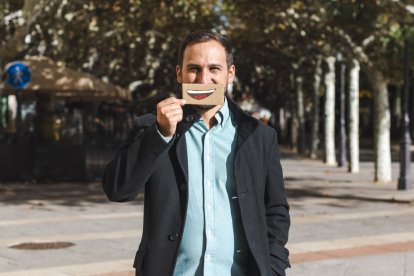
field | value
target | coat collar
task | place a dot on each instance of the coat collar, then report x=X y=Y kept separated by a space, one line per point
x=246 y=124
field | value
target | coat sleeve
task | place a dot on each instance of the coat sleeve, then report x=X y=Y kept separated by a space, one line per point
x=277 y=211
x=135 y=161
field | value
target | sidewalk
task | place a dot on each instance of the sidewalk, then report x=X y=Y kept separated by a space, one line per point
x=342 y=224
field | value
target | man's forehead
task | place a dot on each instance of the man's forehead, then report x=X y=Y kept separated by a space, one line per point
x=211 y=49
x=199 y=46
x=210 y=64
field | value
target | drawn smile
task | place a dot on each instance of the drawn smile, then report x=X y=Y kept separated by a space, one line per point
x=200 y=94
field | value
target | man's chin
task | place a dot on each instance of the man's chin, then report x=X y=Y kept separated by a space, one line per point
x=203 y=107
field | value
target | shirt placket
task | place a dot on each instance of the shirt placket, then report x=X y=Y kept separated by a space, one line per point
x=209 y=200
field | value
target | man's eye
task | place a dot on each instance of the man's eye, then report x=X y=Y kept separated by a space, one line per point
x=214 y=69
x=193 y=70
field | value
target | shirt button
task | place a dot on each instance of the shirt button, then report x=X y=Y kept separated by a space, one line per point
x=209 y=207
x=173 y=237
x=209 y=183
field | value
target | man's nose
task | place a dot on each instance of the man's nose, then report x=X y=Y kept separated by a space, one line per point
x=204 y=77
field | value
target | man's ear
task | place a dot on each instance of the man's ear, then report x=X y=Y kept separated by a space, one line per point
x=179 y=74
x=232 y=74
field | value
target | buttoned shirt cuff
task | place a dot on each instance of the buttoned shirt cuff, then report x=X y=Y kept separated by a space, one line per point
x=166 y=139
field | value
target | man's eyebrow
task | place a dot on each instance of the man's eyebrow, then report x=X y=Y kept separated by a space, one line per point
x=190 y=65
x=216 y=65
x=193 y=65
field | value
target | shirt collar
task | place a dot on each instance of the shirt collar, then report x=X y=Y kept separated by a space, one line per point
x=223 y=114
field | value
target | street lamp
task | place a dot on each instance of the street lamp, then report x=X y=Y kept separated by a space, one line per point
x=404 y=181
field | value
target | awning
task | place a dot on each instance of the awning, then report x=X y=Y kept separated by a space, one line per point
x=49 y=78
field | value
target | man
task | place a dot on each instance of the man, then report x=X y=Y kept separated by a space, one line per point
x=215 y=201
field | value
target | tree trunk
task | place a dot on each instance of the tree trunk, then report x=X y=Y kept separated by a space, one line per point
x=381 y=127
x=353 y=118
x=282 y=125
x=294 y=135
x=1 y=105
x=294 y=120
x=315 y=114
x=300 y=114
x=330 y=157
x=32 y=9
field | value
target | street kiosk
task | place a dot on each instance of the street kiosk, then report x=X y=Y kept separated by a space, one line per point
x=58 y=124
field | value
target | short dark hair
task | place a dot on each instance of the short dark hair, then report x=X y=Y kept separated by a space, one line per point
x=204 y=36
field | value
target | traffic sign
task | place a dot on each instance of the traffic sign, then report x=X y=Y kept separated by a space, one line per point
x=18 y=75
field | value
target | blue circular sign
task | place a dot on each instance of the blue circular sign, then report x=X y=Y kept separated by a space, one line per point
x=18 y=75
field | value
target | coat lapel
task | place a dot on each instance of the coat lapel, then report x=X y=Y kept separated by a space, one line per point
x=181 y=153
x=245 y=127
x=245 y=123
x=189 y=117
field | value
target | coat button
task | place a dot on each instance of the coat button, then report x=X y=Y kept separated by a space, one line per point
x=189 y=118
x=182 y=187
x=173 y=237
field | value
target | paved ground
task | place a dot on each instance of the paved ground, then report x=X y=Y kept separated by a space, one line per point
x=342 y=224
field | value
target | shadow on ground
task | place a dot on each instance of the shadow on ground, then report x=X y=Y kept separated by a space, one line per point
x=68 y=194
x=366 y=153
x=334 y=191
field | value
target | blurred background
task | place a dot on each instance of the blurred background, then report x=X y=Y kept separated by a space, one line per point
x=323 y=73
x=333 y=77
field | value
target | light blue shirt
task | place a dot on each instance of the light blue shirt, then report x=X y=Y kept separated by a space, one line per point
x=213 y=242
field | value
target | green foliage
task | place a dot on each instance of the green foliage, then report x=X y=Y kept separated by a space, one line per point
x=278 y=36
x=135 y=41
x=122 y=41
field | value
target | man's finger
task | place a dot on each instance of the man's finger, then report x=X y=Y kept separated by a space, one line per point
x=173 y=113
x=175 y=118
x=168 y=108
x=170 y=100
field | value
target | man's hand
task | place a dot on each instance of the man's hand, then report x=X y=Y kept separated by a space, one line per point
x=169 y=113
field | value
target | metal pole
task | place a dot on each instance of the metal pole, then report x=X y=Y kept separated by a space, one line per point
x=2 y=79
x=404 y=182
x=342 y=136
x=1 y=107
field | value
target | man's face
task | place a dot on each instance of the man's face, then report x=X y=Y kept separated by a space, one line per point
x=205 y=63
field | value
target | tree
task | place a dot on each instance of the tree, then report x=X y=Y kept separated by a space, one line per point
x=373 y=37
x=330 y=157
x=315 y=112
x=133 y=43
x=128 y=42
x=369 y=31
x=353 y=117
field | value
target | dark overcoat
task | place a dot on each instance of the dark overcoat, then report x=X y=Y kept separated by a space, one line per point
x=147 y=160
